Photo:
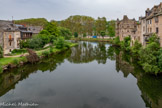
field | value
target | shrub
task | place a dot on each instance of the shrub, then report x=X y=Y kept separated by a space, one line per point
x=60 y=43
x=15 y=61
x=1 y=52
x=46 y=53
x=1 y=68
x=136 y=48
x=125 y=44
x=35 y=43
x=116 y=41
x=64 y=32
x=19 y=51
x=75 y=34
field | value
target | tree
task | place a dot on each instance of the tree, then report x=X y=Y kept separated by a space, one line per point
x=84 y=35
x=75 y=34
x=64 y=32
x=111 y=28
x=52 y=29
x=102 y=34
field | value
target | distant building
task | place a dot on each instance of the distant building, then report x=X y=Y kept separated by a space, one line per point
x=125 y=27
x=152 y=23
x=141 y=31
x=9 y=36
x=35 y=29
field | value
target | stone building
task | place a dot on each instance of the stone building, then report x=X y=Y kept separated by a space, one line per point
x=35 y=29
x=152 y=23
x=9 y=36
x=125 y=27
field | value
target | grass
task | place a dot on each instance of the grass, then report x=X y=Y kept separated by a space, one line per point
x=11 y=60
x=17 y=60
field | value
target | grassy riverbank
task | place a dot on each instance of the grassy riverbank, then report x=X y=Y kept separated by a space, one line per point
x=92 y=39
x=15 y=60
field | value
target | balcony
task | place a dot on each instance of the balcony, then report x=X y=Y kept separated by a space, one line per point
x=11 y=39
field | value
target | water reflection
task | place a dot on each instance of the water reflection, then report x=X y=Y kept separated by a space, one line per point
x=87 y=76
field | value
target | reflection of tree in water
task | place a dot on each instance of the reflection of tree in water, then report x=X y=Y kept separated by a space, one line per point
x=9 y=79
x=150 y=85
x=86 y=52
x=151 y=88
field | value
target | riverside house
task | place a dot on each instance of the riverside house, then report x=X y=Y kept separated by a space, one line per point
x=11 y=34
x=144 y=28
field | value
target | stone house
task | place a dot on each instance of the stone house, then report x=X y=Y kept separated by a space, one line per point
x=35 y=29
x=152 y=23
x=9 y=36
x=125 y=27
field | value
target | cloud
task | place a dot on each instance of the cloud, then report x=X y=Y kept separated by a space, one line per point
x=61 y=9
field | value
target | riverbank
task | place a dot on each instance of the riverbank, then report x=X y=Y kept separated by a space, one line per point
x=19 y=60
x=92 y=39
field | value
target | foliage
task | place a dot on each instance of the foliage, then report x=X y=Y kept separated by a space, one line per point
x=46 y=53
x=35 y=43
x=125 y=44
x=32 y=21
x=111 y=28
x=1 y=68
x=52 y=29
x=153 y=38
x=116 y=41
x=15 y=61
x=75 y=34
x=44 y=32
x=84 y=35
x=1 y=52
x=64 y=32
x=102 y=33
x=19 y=51
x=149 y=56
x=136 y=48
x=79 y=24
x=60 y=43
x=100 y=25
x=160 y=60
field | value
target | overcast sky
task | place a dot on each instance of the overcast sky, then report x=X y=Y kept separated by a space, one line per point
x=61 y=9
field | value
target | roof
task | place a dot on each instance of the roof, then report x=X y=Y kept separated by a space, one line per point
x=35 y=29
x=7 y=26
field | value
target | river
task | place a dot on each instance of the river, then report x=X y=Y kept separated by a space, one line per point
x=90 y=75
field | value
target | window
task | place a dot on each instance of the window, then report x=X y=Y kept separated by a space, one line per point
x=150 y=21
x=157 y=30
x=150 y=30
x=10 y=43
x=156 y=20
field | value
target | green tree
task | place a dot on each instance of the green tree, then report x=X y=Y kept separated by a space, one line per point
x=64 y=32
x=75 y=34
x=60 y=42
x=52 y=29
x=102 y=34
x=111 y=28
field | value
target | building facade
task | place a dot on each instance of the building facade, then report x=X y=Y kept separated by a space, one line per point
x=9 y=36
x=125 y=27
x=141 y=31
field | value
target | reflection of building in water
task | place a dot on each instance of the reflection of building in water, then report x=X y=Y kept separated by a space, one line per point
x=124 y=66
x=150 y=86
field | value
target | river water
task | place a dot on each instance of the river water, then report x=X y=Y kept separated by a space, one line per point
x=90 y=75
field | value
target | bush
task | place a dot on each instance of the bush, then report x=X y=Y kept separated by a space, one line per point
x=15 y=61
x=19 y=51
x=1 y=52
x=116 y=41
x=75 y=34
x=60 y=43
x=35 y=43
x=84 y=35
x=1 y=68
x=64 y=32
x=136 y=48
x=125 y=44
x=46 y=53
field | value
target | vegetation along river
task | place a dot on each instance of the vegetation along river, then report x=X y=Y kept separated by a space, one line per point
x=90 y=75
